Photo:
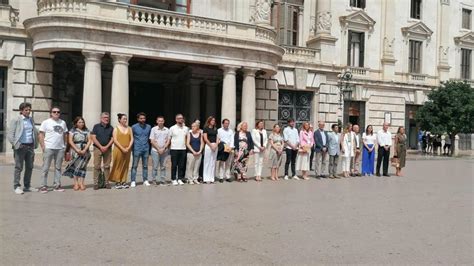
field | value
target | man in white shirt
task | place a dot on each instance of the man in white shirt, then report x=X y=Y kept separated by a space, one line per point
x=224 y=158
x=178 y=134
x=292 y=141
x=52 y=139
x=384 y=140
x=355 y=162
x=160 y=141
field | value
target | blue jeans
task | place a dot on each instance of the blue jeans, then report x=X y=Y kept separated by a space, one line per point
x=136 y=159
x=159 y=163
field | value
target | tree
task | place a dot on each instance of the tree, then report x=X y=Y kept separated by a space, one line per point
x=449 y=109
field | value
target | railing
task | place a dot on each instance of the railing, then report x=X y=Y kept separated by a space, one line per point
x=48 y=6
x=9 y=16
x=358 y=71
x=418 y=77
x=295 y=52
x=156 y=18
x=468 y=81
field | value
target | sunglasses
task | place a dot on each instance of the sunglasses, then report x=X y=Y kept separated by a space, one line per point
x=56 y=112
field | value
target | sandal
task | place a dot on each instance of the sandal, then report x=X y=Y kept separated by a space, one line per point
x=76 y=187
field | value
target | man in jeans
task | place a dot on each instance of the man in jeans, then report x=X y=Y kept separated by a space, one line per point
x=23 y=137
x=53 y=139
x=160 y=141
x=102 y=137
x=141 y=148
x=292 y=140
x=178 y=134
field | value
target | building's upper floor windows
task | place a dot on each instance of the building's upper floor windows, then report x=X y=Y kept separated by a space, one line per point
x=357 y=3
x=466 y=63
x=414 y=57
x=355 y=49
x=466 y=18
x=415 y=9
x=4 y=2
x=288 y=22
x=182 y=6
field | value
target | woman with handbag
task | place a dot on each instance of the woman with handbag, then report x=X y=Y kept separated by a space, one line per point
x=259 y=138
x=304 y=152
x=276 y=150
x=400 y=150
x=79 y=141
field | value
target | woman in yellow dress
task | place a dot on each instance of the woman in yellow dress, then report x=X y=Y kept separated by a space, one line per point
x=123 y=141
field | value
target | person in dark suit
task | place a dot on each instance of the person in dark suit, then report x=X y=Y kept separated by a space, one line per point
x=321 y=149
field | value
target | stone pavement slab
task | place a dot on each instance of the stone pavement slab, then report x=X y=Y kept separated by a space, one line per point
x=422 y=218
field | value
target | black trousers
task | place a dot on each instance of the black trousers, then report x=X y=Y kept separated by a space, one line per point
x=290 y=158
x=383 y=155
x=178 y=163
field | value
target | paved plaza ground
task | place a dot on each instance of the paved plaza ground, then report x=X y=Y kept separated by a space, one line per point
x=425 y=217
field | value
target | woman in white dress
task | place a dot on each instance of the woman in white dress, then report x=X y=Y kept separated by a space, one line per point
x=347 y=149
x=210 y=151
x=259 y=137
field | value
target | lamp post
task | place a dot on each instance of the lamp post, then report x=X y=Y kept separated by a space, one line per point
x=345 y=90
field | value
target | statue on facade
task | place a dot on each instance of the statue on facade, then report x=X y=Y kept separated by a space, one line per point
x=324 y=21
x=263 y=10
x=388 y=46
x=443 y=54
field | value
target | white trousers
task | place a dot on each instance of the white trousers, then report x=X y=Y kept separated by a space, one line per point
x=346 y=163
x=209 y=169
x=258 y=157
x=223 y=168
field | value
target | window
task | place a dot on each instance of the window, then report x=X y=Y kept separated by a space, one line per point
x=466 y=18
x=182 y=6
x=414 y=57
x=357 y=3
x=415 y=11
x=466 y=63
x=288 y=22
x=3 y=2
x=355 y=53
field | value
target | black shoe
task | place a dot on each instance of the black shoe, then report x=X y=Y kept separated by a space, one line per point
x=229 y=180
x=387 y=175
x=377 y=174
x=221 y=180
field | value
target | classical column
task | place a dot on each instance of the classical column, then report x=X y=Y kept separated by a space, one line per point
x=248 y=97
x=323 y=17
x=229 y=97
x=120 y=92
x=195 y=99
x=323 y=39
x=300 y=27
x=92 y=93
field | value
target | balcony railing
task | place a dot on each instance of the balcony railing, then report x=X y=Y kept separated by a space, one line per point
x=8 y=16
x=417 y=77
x=301 y=53
x=153 y=17
x=358 y=71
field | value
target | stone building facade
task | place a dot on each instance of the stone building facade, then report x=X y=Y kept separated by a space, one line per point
x=241 y=59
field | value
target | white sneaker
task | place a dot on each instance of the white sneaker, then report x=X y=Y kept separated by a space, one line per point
x=286 y=177
x=18 y=191
x=295 y=177
x=174 y=183
x=191 y=182
x=180 y=182
x=146 y=183
x=196 y=182
x=133 y=184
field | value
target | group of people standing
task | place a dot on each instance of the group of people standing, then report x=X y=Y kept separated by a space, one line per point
x=197 y=155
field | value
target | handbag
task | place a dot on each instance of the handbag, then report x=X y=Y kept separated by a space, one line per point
x=395 y=162
x=101 y=180
x=227 y=148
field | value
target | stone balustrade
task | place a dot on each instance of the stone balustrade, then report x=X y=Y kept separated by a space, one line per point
x=153 y=17
x=296 y=53
x=358 y=71
x=417 y=77
x=8 y=16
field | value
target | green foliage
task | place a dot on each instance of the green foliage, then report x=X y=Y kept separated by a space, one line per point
x=450 y=108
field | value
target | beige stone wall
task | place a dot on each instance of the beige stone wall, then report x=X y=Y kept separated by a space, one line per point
x=267 y=101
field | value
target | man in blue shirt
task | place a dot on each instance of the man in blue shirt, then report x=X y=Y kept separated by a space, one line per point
x=141 y=148
x=23 y=136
